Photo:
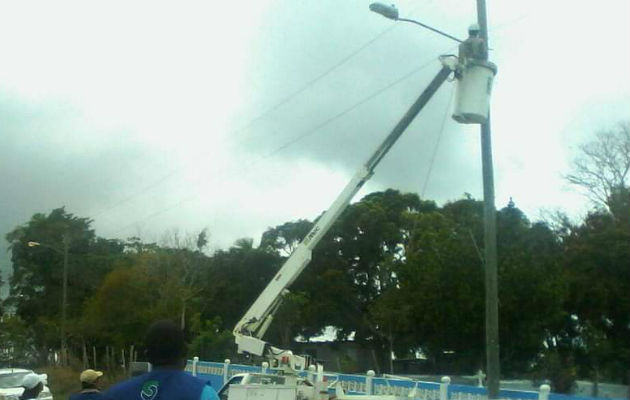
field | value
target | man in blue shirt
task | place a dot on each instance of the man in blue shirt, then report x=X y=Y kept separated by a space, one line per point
x=166 y=351
x=90 y=386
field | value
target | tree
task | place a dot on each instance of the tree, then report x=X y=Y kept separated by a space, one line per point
x=531 y=287
x=125 y=304
x=390 y=318
x=443 y=285
x=287 y=320
x=596 y=257
x=36 y=283
x=211 y=341
x=19 y=347
x=283 y=239
x=601 y=168
x=233 y=279
x=596 y=267
x=183 y=261
x=366 y=247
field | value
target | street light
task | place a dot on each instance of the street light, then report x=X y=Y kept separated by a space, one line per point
x=490 y=246
x=64 y=296
x=391 y=12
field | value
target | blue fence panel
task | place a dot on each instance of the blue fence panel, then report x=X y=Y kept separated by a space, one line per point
x=558 y=396
x=517 y=394
x=357 y=384
x=234 y=369
x=211 y=371
x=353 y=384
x=406 y=387
x=465 y=392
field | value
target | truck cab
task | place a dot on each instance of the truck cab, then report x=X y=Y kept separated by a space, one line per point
x=266 y=387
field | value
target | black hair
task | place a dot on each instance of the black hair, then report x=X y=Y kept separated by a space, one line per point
x=164 y=343
x=34 y=391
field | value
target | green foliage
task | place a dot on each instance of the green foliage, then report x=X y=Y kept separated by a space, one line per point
x=597 y=273
x=531 y=287
x=233 y=279
x=18 y=342
x=443 y=285
x=211 y=341
x=348 y=366
x=36 y=283
x=288 y=319
x=559 y=369
x=397 y=273
x=283 y=239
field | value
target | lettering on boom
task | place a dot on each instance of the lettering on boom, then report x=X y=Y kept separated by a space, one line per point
x=311 y=235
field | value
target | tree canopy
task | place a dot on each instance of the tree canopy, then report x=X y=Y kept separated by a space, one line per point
x=398 y=274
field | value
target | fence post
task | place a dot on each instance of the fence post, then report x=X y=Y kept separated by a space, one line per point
x=194 y=366
x=444 y=387
x=311 y=373
x=265 y=366
x=368 y=382
x=320 y=373
x=543 y=394
x=226 y=366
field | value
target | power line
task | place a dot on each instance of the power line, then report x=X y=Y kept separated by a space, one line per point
x=292 y=141
x=437 y=143
x=226 y=173
x=253 y=121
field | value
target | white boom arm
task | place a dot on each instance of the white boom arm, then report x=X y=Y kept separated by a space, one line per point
x=250 y=329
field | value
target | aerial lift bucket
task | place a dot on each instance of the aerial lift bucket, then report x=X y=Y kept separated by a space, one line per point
x=472 y=95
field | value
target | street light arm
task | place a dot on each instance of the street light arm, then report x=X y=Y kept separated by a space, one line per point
x=430 y=28
x=38 y=244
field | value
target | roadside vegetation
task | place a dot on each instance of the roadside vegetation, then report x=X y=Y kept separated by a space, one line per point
x=397 y=273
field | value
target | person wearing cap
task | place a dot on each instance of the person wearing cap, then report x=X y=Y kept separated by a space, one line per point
x=90 y=386
x=33 y=384
x=166 y=351
x=473 y=48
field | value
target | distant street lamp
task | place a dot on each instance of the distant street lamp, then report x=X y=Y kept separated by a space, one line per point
x=64 y=296
x=391 y=12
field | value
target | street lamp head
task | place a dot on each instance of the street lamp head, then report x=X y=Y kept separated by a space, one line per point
x=387 y=11
x=33 y=244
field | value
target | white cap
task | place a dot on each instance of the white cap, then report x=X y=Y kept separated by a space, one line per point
x=473 y=28
x=30 y=380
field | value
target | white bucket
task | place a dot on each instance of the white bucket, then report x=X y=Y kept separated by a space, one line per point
x=472 y=97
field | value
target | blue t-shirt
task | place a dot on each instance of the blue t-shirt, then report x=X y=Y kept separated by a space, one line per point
x=162 y=384
x=208 y=393
x=87 y=396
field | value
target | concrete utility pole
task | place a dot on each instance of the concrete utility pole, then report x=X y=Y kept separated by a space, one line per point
x=64 y=290
x=490 y=241
x=490 y=235
x=64 y=301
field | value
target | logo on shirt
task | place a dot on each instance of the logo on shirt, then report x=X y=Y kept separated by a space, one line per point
x=149 y=390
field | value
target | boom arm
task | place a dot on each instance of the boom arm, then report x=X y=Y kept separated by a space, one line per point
x=250 y=329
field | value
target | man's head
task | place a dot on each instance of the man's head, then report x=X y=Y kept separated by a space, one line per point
x=473 y=30
x=165 y=345
x=90 y=379
x=33 y=384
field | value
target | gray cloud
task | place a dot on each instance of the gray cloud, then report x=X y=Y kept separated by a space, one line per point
x=129 y=136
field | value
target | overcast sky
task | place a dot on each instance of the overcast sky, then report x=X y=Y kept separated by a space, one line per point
x=238 y=116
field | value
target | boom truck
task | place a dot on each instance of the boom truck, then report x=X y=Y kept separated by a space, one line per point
x=473 y=91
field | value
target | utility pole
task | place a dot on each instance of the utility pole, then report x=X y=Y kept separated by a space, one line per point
x=490 y=241
x=64 y=300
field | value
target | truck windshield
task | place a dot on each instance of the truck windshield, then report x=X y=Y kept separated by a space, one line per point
x=268 y=379
x=11 y=380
